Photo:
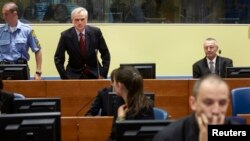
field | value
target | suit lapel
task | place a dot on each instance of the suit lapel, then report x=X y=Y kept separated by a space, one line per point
x=87 y=38
x=74 y=36
x=206 y=68
x=218 y=64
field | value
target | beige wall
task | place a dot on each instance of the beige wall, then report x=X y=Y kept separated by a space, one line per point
x=173 y=47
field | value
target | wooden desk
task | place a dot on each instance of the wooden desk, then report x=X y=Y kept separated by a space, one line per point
x=170 y=95
x=247 y=116
x=77 y=95
x=85 y=128
x=29 y=88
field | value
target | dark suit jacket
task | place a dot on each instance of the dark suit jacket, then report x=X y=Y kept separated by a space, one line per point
x=101 y=103
x=187 y=129
x=77 y=62
x=200 y=68
x=6 y=102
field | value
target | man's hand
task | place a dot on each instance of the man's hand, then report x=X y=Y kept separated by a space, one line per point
x=204 y=121
x=203 y=125
x=37 y=77
x=122 y=110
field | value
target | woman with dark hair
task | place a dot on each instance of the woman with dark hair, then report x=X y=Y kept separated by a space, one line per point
x=6 y=100
x=128 y=83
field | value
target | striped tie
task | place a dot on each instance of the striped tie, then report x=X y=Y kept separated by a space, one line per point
x=212 y=70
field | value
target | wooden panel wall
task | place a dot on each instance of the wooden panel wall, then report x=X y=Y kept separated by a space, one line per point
x=86 y=128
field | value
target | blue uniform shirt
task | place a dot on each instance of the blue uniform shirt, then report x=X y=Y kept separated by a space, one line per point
x=15 y=45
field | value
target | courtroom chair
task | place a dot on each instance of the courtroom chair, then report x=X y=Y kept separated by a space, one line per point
x=18 y=96
x=160 y=114
x=240 y=101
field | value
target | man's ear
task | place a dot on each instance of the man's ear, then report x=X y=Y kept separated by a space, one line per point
x=192 y=103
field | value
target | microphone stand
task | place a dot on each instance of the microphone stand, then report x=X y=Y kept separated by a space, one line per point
x=97 y=63
x=219 y=63
x=78 y=118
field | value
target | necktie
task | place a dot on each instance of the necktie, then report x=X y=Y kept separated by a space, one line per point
x=212 y=67
x=82 y=43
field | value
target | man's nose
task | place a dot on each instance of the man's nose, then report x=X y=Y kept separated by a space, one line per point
x=209 y=49
x=216 y=109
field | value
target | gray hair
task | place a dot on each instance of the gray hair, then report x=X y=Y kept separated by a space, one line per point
x=79 y=10
x=212 y=39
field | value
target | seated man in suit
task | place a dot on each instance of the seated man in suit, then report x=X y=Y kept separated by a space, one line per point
x=212 y=63
x=100 y=104
x=6 y=100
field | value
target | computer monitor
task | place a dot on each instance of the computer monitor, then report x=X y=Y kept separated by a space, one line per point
x=238 y=72
x=32 y=105
x=30 y=127
x=14 y=72
x=115 y=101
x=147 y=70
x=139 y=130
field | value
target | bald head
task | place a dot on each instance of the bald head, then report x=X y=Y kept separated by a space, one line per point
x=210 y=82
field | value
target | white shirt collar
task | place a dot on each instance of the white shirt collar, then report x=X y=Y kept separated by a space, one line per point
x=83 y=32
x=214 y=60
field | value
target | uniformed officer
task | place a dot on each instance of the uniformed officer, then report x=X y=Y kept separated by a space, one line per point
x=16 y=38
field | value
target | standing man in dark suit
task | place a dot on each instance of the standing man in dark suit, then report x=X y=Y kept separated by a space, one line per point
x=82 y=43
x=212 y=63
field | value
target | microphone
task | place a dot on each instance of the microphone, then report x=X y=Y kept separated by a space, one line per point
x=219 y=68
x=97 y=63
x=84 y=106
